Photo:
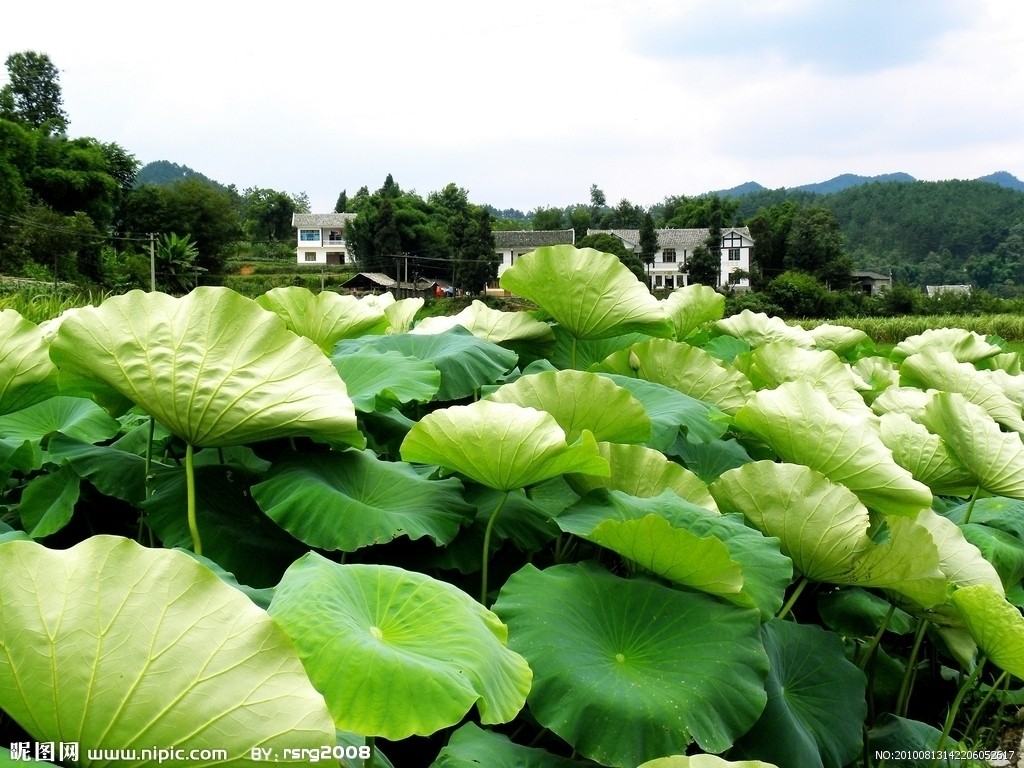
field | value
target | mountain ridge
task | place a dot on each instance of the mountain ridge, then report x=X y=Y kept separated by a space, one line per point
x=847 y=180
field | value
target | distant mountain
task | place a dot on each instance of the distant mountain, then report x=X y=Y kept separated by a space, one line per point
x=743 y=189
x=164 y=172
x=1004 y=179
x=848 y=180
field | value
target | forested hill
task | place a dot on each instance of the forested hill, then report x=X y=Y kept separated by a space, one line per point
x=164 y=172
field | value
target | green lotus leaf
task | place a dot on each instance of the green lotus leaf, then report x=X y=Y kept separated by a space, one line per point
x=113 y=472
x=18 y=455
x=823 y=528
x=72 y=416
x=472 y=747
x=893 y=734
x=840 y=339
x=495 y=326
x=856 y=612
x=378 y=380
x=324 y=318
x=996 y=512
x=627 y=670
x=800 y=424
x=683 y=543
x=643 y=472
x=816 y=701
x=397 y=653
x=1012 y=385
x=940 y=370
x=925 y=455
x=874 y=376
x=689 y=370
x=995 y=625
x=995 y=458
x=402 y=313
x=591 y=294
x=578 y=400
x=586 y=354
x=693 y=306
x=48 y=502
x=965 y=346
x=500 y=445
x=115 y=646
x=1004 y=551
x=960 y=561
x=703 y=761
x=466 y=363
x=757 y=328
x=350 y=500
x=671 y=413
x=26 y=374
x=709 y=460
x=6 y=759
x=908 y=400
x=213 y=367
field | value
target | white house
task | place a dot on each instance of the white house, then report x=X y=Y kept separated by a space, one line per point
x=675 y=246
x=510 y=245
x=321 y=238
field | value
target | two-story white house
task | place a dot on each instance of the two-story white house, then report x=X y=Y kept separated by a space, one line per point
x=511 y=244
x=675 y=246
x=321 y=238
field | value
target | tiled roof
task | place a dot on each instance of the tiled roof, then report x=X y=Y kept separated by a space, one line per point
x=321 y=219
x=526 y=238
x=679 y=239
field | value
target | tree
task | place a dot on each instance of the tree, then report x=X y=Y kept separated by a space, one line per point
x=704 y=266
x=547 y=219
x=340 y=206
x=33 y=95
x=468 y=240
x=267 y=214
x=816 y=245
x=648 y=239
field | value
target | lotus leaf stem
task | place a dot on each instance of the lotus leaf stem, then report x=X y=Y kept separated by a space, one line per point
x=970 y=505
x=903 y=700
x=190 y=492
x=951 y=716
x=797 y=591
x=484 y=560
x=368 y=762
x=984 y=702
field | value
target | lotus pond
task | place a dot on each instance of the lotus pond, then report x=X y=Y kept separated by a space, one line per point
x=615 y=531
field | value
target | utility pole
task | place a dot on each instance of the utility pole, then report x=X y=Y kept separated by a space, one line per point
x=152 y=262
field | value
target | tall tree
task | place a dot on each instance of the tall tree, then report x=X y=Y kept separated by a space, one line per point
x=33 y=94
x=648 y=239
x=544 y=219
x=817 y=246
x=339 y=207
x=267 y=214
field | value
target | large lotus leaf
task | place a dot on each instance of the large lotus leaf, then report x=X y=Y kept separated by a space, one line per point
x=627 y=670
x=397 y=653
x=48 y=502
x=687 y=369
x=994 y=457
x=683 y=543
x=709 y=460
x=841 y=339
x=26 y=374
x=757 y=328
x=693 y=306
x=702 y=761
x=495 y=326
x=1012 y=385
x=72 y=416
x=326 y=317
x=7 y=760
x=114 y=472
x=803 y=427
x=591 y=294
x=671 y=413
x=940 y=370
x=213 y=367
x=112 y=646
x=960 y=561
x=996 y=512
x=908 y=400
x=816 y=703
x=586 y=354
x=466 y=363
x=925 y=455
x=1004 y=551
x=352 y=499
x=823 y=528
x=996 y=626
x=874 y=376
x=500 y=445
x=18 y=455
x=644 y=472
x=965 y=346
x=856 y=612
x=897 y=734
x=472 y=747
x=401 y=314
x=579 y=400
x=378 y=380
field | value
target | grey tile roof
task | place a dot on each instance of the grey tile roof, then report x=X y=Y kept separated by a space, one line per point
x=321 y=219
x=525 y=238
x=679 y=239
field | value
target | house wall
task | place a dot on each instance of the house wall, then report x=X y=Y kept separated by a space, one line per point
x=325 y=245
x=664 y=273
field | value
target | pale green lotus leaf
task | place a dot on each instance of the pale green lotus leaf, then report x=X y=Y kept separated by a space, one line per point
x=578 y=400
x=492 y=325
x=875 y=375
x=213 y=367
x=941 y=371
x=395 y=652
x=757 y=328
x=995 y=458
x=326 y=317
x=382 y=379
x=925 y=455
x=995 y=625
x=803 y=427
x=823 y=528
x=591 y=294
x=26 y=374
x=1012 y=384
x=908 y=400
x=673 y=414
x=684 y=543
x=72 y=416
x=703 y=761
x=352 y=499
x=401 y=314
x=965 y=346
x=960 y=561
x=687 y=369
x=838 y=338
x=115 y=646
x=693 y=306
x=643 y=472
x=501 y=445
x=629 y=670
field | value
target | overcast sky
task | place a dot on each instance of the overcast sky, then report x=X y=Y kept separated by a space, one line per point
x=528 y=103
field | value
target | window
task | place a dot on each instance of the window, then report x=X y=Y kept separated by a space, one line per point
x=335 y=257
x=310 y=256
x=657 y=281
x=309 y=235
x=335 y=236
x=734 y=254
x=668 y=255
x=670 y=283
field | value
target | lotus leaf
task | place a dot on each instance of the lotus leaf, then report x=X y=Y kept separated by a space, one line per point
x=378 y=380
x=586 y=354
x=472 y=747
x=72 y=416
x=213 y=367
x=324 y=318
x=505 y=328
x=840 y=339
x=995 y=625
x=693 y=306
x=965 y=346
x=417 y=653
x=26 y=374
x=112 y=645
x=925 y=455
x=48 y=502
x=757 y=328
